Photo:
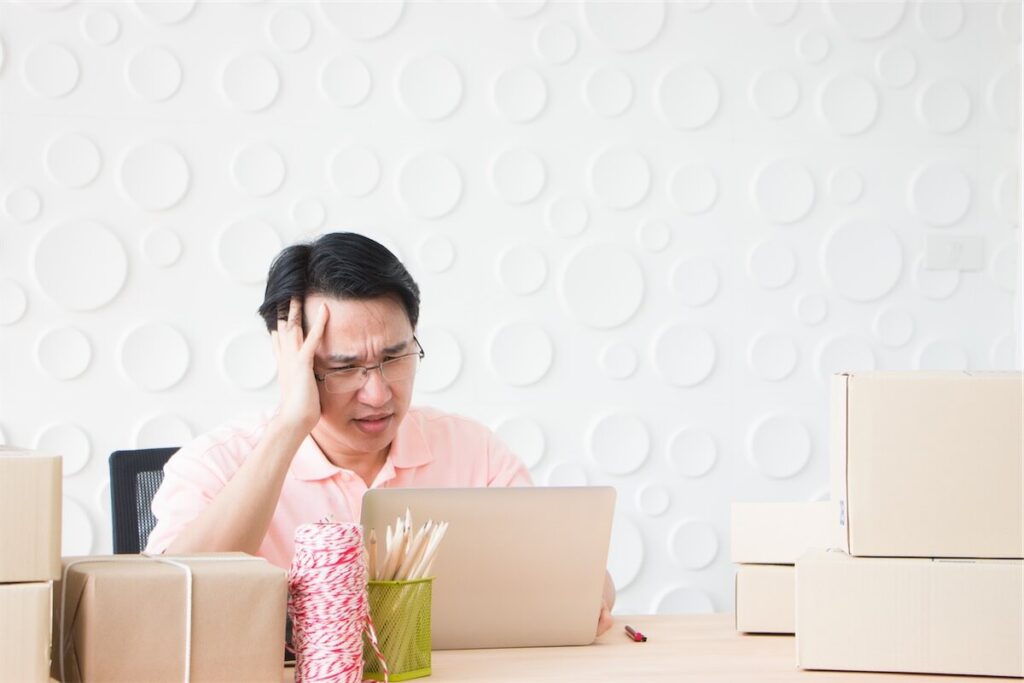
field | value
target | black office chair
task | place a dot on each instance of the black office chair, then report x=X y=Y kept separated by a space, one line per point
x=134 y=478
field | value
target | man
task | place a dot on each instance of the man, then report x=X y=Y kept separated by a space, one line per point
x=342 y=314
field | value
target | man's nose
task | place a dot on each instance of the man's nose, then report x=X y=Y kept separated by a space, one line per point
x=376 y=391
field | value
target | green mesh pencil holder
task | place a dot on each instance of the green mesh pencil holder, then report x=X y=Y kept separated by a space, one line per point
x=401 y=616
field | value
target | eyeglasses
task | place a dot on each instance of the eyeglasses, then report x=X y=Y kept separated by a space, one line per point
x=392 y=370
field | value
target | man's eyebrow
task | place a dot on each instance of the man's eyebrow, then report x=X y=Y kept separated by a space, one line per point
x=387 y=351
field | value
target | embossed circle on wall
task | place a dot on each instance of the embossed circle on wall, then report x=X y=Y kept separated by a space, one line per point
x=940 y=20
x=1005 y=267
x=445 y=360
x=63 y=352
x=429 y=87
x=618 y=360
x=363 y=19
x=154 y=175
x=693 y=189
x=165 y=12
x=893 y=327
x=355 y=171
x=896 y=66
x=811 y=308
x=555 y=42
x=619 y=443
x=154 y=356
x=518 y=9
x=1010 y=20
x=625 y=552
x=783 y=191
x=250 y=82
x=80 y=284
x=154 y=73
x=654 y=235
x=518 y=175
x=23 y=204
x=844 y=354
x=522 y=269
x=73 y=160
x=692 y=452
x=694 y=281
x=653 y=500
x=935 y=284
x=161 y=247
x=13 y=302
x=1006 y=196
x=566 y=216
x=624 y=26
x=520 y=94
x=245 y=249
x=940 y=193
x=51 y=70
x=608 y=91
x=436 y=253
x=1004 y=96
x=684 y=600
x=524 y=437
x=521 y=353
x=774 y=93
x=568 y=474
x=346 y=81
x=944 y=106
x=942 y=354
x=620 y=177
x=247 y=360
x=258 y=169
x=862 y=260
x=867 y=20
x=813 y=47
x=779 y=446
x=775 y=13
x=101 y=27
x=161 y=431
x=429 y=184
x=68 y=441
x=771 y=264
x=684 y=355
x=693 y=544
x=687 y=96
x=772 y=356
x=848 y=104
x=290 y=29
x=308 y=214
x=845 y=185
x=602 y=286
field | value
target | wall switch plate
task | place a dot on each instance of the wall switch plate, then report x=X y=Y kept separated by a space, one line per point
x=954 y=252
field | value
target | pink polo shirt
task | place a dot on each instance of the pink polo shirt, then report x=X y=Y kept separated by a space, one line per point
x=431 y=449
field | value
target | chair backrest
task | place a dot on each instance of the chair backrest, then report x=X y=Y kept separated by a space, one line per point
x=134 y=478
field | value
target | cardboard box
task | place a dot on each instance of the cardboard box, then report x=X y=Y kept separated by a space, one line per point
x=25 y=632
x=30 y=515
x=910 y=615
x=125 y=619
x=765 y=598
x=779 y=533
x=929 y=464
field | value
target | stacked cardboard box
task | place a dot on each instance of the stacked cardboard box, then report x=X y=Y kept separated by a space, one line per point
x=767 y=540
x=928 y=479
x=30 y=519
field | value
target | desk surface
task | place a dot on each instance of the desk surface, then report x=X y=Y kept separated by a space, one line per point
x=704 y=648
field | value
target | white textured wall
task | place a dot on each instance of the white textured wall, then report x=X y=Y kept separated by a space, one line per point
x=645 y=234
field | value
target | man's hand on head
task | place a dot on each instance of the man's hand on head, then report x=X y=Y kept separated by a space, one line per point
x=299 y=406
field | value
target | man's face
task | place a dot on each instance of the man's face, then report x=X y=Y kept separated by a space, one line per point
x=363 y=421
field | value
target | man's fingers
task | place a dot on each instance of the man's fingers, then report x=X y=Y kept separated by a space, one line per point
x=316 y=330
x=275 y=342
x=295 y=313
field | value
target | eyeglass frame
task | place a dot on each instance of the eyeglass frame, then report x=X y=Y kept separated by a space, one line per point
x=367 y=369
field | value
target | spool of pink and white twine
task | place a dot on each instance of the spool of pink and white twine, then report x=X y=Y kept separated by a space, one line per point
x=328 y=604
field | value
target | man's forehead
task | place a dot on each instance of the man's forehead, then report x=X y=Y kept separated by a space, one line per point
x=339 y=351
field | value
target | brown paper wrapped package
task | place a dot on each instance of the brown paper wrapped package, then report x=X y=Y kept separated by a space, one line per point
x=125 y=619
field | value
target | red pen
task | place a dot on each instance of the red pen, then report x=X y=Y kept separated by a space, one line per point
x=635 y=635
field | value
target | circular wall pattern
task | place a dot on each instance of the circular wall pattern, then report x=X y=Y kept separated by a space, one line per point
x=896 y=66
x=771 y=264
x=363 y=19
x=692 y=452
x=520 y=94
x=694 y=281
x=775 y=13
x=247 y=360
x=893 y=327
x=625 y=552
x=161 y=247
x=76 y=530
x=441 y=367
x=519 y=9
x=1005 y=267
x=684 y=355
x=944 y=106
x=355 y=171
x=693 y=544
x=813 y=47
x=436 y=253
x=844 y=354
x=935 y=284
x=154 y=175
x=521 y=353
x=429 y=87
x=1006 y=196
x=693 y=189
x=154 y=73
x=165 y=12
x=602 y=286
x=940 y=20
x=848 y=104
x=845 y=185
x=13 y=302
x=244 y=250
x=524 y=437
x=622 y=26
x=258 y=169
x=942 y=355
x=162 y=431
x=779 y=446
x=811 y=308
x=772 y=356
x=653 y=235
x=101 y=27
x=1010 y=20
x=290 y=29
x=73 y=160
x=774 y=93
x=653 y=500
x=154 y=356
x=783 y=191
x=23 y=204
x=1002 y=356
x=619 y=443
x=687 y=96
x=567 y=216
x=608 y=91
x=80 y=284
x=308 y=214
x=346 y=81
x=518 y=176
x=63 y=353
x=1004 y=96
x=940 y=193
x=68 y=441
x=684 y=600
x=50 y=70
x=568 y=474
x=619 y=177
x=867 y=20
x=555 y=42
x=522 y=269
x=250 y=82
x=429 y=185
x=862 y=260
x=618 y=360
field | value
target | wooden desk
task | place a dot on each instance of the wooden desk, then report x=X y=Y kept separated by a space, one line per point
x=702 y=649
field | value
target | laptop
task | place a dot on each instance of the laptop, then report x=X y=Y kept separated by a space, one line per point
x=518 y=567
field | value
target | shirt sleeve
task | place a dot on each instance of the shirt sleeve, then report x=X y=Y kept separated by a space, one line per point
x=504 y=467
